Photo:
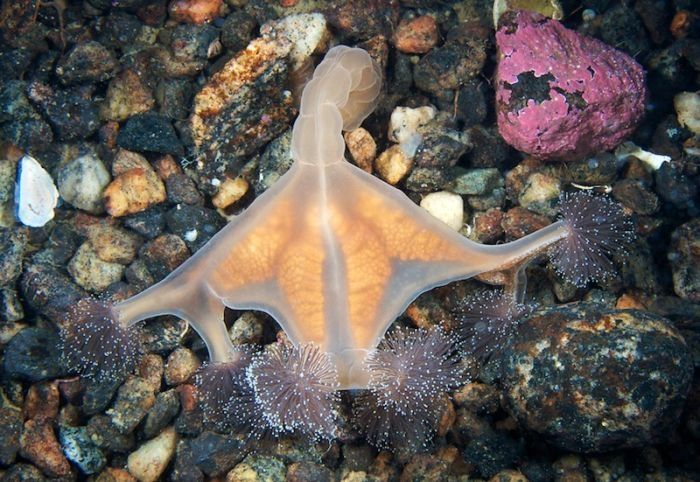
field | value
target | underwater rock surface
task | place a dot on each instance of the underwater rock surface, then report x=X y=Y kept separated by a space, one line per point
x=591 y=379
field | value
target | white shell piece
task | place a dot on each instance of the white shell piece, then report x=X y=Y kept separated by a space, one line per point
x=652 y=161
x=36 y=195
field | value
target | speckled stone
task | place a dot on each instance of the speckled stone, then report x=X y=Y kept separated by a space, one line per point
x=457 y=61
x=162 y=412
x=492 y=451
x=215 y=454
x=106 y=436
x=425 y=467
x=39 y=445
x=48 y=291
x=12 y=245
x=241 y=108
x=308 y=471
x=609 y=379
x=134 y=399
x=194 y=224
x=42 y=401
x=685 y=260
x=127 y=95
x=636 y=196
x=133 y=191
x=80 y=450
x=86 y=62
x=81 y=182
x=91 y=272
x=10 y=429
x=258 y=468
x=113 y=244
x=475 y=181
x=181 y=365
x=71 y=113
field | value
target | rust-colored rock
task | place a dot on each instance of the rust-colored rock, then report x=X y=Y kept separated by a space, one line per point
x=41 y=404
x=133 y=192
x=195 y=11
x=39 y=445
x=416 y=36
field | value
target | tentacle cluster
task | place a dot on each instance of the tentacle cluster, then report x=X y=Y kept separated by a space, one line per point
x=226 y=397
x=487 y=319
x=410 y=372
x=598 y=229
x=283 y=390
x=296 y=390
x=96 y=344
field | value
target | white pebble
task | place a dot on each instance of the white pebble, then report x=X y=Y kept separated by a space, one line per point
x=82 y=181
x=446 y=206
x=652 y=161
x=150 y=459
x=404 y=124
x=308 y=33
x=36 y=195
x=687 y=106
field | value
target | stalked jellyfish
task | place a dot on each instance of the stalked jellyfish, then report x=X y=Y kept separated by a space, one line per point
x=334 y=255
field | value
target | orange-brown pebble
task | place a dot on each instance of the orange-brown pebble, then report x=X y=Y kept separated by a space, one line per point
x=168 y=250
x=151 y=370
x=681 y=23
x=127 y=95
x=230 y=191
x=42 y=402
x=181 y=365
x=488 y=226
x=508 y=475
x=518 y=222
x=127 y=160
x=111 y=474
x=477 y=397
x=195 y=11
x=447 y=417
x=393 y=164
x=629 y=301
x=38 y=444
x=132 y=192
x=416 y=36
x=188 y=397
x=166 y=166
x=362 y=148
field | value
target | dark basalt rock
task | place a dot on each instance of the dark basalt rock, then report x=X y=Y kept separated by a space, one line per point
x=590 y=379
x=149 y=132
x=33 y=354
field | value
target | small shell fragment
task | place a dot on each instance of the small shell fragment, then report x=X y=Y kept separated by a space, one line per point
x=36 y=195
x=651 y=160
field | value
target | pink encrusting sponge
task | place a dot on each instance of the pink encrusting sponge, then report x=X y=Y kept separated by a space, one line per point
x=561 y=95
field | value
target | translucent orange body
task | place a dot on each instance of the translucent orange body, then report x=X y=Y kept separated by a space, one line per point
x=331 y=252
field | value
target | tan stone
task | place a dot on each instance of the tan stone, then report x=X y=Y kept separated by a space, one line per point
x=393 y=165
x=362 y=148
x=230 y=191
x=133 y=192
x=126 y=96
x=149 y=461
